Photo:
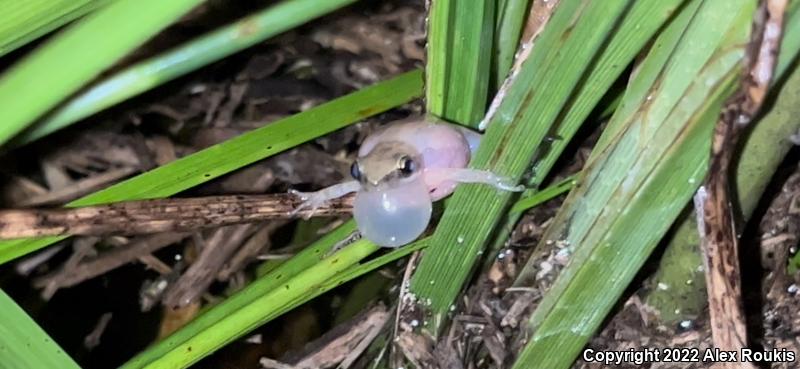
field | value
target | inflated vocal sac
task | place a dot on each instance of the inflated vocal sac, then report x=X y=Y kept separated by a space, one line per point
x=393 y=216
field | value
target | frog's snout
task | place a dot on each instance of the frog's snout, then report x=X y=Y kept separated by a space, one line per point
x=395 y=216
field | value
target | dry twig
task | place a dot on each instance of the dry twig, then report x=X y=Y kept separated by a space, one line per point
x=217 y=250
x=341 y=346
x=93 y=267
x=153 y=216
x=713 y=200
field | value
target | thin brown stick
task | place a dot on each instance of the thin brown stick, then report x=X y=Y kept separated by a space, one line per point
x=153 y=216
x=77 y=188
x=713 y=200
x=339 y=347
x=259 y=242
x=218 y=249
x=93 y=267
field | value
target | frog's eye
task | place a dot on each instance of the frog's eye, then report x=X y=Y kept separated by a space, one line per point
x=393 y=216
x=355 y=171
x=407 y=166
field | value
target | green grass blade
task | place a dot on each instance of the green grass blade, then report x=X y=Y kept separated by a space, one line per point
x=307 y=276
x=559 y=57
x=458 y=68
x=35 y=85
x=24 y=21
x=233 y=317
x=245 y=149
x=537 y=198
x=641 y=22
x=260 y=310
x=763 y=152
x=181 y=60
x=23 y=344
x=511 y=16
x=436 y=68
x=649 y=161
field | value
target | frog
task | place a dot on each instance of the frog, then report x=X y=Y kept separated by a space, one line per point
x=400 y=171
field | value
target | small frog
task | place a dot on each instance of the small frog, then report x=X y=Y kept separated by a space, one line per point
x=400 y=171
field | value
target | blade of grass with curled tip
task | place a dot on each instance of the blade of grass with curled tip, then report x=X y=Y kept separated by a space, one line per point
x=458 y=68
x=645 y=168
x=561 y=54
x=242 y=150
x=35 y=85
x=23 y=344
x=24 y=21
x=181 y=60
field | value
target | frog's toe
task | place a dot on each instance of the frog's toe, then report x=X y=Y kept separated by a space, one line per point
x=301 y=195
x=310 y=202
x=506 y=184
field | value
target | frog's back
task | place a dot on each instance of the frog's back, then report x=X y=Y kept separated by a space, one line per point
x=441 y=145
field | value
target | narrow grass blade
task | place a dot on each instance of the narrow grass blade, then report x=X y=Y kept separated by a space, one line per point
x=636 y=30
x=23 y=344
x=561 y=54
x=646 y=166
x=683 y=294
x=539 y=197
x=436 y=68
x=162 y=68
x=25 y=21
x=245 y=149
x=458 y=68
x=35 y=85
x=641 y=22
x=262 y=309
x=159 y=355
x=511 y=15
x=267 y=298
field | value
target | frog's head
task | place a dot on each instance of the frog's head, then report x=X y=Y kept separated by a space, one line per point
x=388 y=164
x=394 y=206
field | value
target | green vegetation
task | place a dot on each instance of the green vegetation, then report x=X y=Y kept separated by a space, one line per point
x=678 y=61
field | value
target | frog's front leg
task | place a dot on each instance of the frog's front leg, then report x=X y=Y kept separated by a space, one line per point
x=445 y=180
x=313 y=200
